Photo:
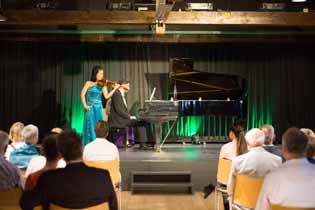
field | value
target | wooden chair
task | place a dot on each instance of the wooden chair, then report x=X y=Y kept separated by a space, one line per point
x=113 y=168
x=111 y=165
x=277 y=207
x=9 y=199
x=246 y=192
x=103 y=206
x=224 y=168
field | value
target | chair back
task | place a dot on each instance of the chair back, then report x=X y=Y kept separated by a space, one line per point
x=102 y=206
x=9 y=199
x=277 y=207
x=224 y=168
x=111 y=165
x=246 y=191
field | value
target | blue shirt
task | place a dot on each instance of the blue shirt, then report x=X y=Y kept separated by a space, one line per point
x=23 y=155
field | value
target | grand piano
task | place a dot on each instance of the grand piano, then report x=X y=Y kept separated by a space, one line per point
x=195 y=93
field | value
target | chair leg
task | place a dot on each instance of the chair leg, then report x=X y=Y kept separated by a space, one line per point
x=216 y=205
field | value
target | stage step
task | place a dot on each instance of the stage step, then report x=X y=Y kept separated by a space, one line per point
x=161 y=180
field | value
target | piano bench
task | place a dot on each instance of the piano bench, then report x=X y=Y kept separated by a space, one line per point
x=161 y=180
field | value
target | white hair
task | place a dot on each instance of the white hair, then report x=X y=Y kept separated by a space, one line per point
x=30 y=134
x=255 y=137
x=308 y=132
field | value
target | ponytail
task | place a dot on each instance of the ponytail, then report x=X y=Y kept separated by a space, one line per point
x=241 y=145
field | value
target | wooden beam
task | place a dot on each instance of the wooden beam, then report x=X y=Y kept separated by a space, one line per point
x=80 y=17
x=156 y=38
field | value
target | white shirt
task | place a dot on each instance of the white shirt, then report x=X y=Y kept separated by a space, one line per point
x=100 y=149
x=38 y=163
x=228 y=150
x=11 y=147
x=291 y=185
x=257 y=162
x=123 y=97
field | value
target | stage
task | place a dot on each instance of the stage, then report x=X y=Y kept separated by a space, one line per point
x=200 y=160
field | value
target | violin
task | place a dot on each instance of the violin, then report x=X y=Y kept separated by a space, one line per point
x=107 y=83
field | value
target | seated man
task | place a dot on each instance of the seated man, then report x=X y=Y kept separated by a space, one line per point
x=76 y=185
x=293 y=183
x=257 y=162
x=10 y=176
x=270 y=137
x=119 y=119
x=100 y=148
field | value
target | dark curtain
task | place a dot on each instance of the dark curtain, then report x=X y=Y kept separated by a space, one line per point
x=41 y=82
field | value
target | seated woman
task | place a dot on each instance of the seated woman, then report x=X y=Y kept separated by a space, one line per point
x=22 y=156
x=237 y=146
x=15 y=136
x=39 y=162
x=52 y=157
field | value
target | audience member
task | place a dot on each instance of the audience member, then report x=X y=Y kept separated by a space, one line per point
x=100 y=148
x=270 y=137
x=10 y=175
x=310 y=149
x=39 y=162
x=237 y=146
x=51 y=157
x=257 y=162
x=22 y=156
x=16 y=138
x=293 y=183
x=56 y=130
x=76 y=185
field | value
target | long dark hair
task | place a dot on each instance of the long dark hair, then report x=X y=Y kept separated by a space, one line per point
x=95 y=70
x=241 y=146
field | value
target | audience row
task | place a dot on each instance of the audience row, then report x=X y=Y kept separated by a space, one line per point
x=286 y=184
x=60 y=171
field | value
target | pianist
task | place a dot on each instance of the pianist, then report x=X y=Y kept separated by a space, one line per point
x=119 y=119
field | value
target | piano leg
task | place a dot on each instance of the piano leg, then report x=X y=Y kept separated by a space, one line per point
x=157 y=137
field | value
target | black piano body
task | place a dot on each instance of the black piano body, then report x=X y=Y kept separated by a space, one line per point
x=217 y=99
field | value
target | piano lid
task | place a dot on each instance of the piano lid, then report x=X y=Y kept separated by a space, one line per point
x=192 y=84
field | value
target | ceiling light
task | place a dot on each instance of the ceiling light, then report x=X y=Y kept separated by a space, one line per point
x=3 y=18
x=298 y=0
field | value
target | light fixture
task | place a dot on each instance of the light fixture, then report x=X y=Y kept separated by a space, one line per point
x=298 y=0
x=3 y=18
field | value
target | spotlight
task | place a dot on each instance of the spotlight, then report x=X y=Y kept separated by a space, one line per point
x=3 y=18
x=195 y=139
x=298 y=0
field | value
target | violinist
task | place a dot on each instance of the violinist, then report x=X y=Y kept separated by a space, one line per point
x=91 y=97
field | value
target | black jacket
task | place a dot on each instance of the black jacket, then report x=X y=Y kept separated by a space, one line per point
x=75 y=186
x=118 y=116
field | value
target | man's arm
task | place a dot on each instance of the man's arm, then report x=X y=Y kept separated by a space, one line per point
x=111 y=195
x=263 y=202
x=33 y=198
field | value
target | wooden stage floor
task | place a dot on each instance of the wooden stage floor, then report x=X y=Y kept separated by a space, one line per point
x=201 y=160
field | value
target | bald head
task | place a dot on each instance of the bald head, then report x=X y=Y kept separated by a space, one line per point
x=255 y=137
x=4 y=141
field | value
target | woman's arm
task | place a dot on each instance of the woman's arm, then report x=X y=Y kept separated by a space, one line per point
x=87 y=85
x=108 y=95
